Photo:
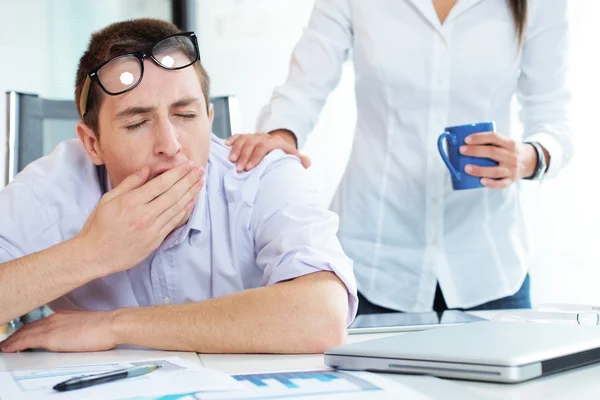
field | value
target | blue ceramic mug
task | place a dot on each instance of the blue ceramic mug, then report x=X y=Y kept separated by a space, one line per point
x=456 y=162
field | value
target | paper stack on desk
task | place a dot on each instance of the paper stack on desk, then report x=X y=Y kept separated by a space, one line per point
x=554 y=313
x=182 y=380
x=176 y=376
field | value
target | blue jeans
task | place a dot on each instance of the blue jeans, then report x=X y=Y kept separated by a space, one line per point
x=521 y=299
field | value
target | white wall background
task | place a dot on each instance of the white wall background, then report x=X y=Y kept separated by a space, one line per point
x=246 y=45
x=567 y=215
x=41 y=42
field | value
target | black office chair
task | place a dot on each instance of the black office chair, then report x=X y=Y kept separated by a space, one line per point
x=37 y=125
x=227 y=116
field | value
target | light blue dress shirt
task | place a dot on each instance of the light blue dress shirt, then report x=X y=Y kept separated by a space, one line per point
x=247 y=230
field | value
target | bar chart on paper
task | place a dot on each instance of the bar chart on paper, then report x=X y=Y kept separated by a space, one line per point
x=319 y=384
x=323 y=381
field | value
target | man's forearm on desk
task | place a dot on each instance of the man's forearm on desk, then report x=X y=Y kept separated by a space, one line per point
x=305 y=315
x=34 y=280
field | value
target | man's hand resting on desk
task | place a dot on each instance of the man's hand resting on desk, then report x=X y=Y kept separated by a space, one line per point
x=134 y=218
x=65 y=331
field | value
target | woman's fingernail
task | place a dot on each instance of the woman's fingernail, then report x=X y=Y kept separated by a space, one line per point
x=468 y=169
x=468 y=139
x=233 y=157
x=463 y=149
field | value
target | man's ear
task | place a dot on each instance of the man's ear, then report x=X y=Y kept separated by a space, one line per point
x=90 y=142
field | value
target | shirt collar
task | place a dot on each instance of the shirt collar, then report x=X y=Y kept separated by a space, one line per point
x=198 y=216
x=427 y=9
x=197 y=221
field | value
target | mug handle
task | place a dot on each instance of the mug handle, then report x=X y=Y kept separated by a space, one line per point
x=452 y=139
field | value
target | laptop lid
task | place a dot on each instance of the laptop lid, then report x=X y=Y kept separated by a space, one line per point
x=490 y=351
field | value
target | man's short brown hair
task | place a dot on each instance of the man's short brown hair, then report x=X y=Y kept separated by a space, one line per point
x=116 y=39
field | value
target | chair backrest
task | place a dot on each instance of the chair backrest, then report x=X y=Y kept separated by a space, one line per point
x=36 y=125
x=227 y=116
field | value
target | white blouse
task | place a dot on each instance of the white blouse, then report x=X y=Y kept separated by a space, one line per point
x=401 y=222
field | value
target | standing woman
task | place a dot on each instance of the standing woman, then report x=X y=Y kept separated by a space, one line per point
x=422 y=65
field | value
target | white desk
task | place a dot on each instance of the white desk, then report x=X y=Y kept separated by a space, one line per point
x=581 y=383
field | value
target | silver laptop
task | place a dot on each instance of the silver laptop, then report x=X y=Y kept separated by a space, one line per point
x=481 y=351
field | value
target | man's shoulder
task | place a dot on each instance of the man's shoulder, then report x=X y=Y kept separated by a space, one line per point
x=244 y=186
x=66 y=176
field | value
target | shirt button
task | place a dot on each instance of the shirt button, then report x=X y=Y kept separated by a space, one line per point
x=167 y=300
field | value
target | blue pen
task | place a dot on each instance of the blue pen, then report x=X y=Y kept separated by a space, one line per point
x=80 y=382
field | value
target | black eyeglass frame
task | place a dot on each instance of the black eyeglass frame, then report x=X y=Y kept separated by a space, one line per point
x=140 y=55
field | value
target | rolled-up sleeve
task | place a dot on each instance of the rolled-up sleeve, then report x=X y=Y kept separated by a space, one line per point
x=5 y=256
x=542 y=89
x=294 y=235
